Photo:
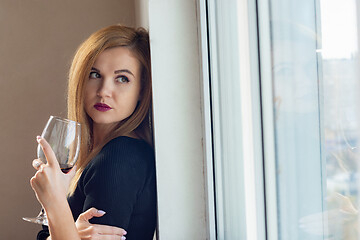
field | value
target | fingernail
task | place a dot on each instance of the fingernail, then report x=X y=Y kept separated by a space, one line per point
x=123 y=238
x=101 y=212
x=38 y=138
x=37 y=164
x=124 y=232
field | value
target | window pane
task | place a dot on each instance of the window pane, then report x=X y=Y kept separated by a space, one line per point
x=316 y=94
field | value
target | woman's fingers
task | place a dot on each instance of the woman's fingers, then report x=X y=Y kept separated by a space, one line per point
x=97 y=231
x=71 y=173
x=49 y=153
x=88 y=234
x=90 y=213
x=110 y=237
x=37 y=164
x=109 y=230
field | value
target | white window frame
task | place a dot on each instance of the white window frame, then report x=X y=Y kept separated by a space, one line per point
x=251 y=157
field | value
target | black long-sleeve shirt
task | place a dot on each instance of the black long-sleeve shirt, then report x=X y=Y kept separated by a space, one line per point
x=120 y=180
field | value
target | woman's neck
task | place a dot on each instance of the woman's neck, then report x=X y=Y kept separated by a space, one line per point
x=101 y=131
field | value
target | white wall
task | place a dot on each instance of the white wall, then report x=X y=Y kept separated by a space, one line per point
x=177 y=119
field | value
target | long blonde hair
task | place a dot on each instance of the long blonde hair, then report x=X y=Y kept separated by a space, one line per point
x=137 y=41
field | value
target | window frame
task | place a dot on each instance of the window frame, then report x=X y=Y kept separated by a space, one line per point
x=250 y=101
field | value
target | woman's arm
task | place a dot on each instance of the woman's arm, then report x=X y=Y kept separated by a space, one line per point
x=88 y=231
x=61 y=223
x=121 y=181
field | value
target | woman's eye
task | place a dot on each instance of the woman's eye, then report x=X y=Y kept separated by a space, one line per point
x=122 y=79
x=94 y=75
x=285 y=70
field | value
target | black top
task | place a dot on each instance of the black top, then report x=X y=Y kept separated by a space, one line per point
x=120 y=180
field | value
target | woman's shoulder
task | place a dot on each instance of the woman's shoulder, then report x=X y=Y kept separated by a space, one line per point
x=123 y=160
x=124 y=151
x=126 y=142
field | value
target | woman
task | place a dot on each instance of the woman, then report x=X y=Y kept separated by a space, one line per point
x=109 y=93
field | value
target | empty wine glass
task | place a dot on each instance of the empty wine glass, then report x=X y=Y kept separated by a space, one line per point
x=63 y=135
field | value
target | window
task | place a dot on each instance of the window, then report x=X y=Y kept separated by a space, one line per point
x=315 y=96
x=284 y=96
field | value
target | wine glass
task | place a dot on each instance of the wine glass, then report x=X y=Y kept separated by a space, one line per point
x=63 y=135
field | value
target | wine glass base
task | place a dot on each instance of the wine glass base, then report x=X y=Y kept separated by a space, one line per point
x=38 y=220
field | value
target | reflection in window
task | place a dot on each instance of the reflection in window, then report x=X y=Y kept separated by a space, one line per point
x=316 y=93
x=341 y=135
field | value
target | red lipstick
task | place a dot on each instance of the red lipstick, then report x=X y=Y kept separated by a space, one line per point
x=102 y=107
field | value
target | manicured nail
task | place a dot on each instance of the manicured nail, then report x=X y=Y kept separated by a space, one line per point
x=38 y=138
x=37 y=164
x=124 y=232
x=123 y=238
x=101 y=212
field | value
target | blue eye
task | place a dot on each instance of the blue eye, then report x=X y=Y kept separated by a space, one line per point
x=122 y=79
x=94 y=75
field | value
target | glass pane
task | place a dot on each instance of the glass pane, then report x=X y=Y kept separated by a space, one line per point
x=316 y=98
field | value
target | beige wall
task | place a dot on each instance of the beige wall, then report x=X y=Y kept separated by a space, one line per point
x=37 y=41
x=142 y=13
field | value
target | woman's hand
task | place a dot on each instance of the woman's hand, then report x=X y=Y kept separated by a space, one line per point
x=49 y=183
x=51 y=186
x=89 y=231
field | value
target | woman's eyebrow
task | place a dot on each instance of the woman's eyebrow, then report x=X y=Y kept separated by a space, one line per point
x=124 y=70
x=116 y=72
x=96 y=70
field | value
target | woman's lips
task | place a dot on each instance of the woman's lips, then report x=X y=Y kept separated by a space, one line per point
x=102 y=107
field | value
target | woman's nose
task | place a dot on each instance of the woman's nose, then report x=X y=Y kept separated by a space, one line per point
x=105 y=88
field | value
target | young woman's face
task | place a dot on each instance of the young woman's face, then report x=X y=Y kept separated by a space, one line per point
x=113 y=88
